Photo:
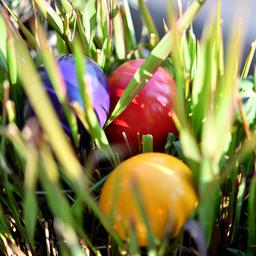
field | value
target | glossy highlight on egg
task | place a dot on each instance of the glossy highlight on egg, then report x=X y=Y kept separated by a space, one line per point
x=165 y=186
x=150 y=112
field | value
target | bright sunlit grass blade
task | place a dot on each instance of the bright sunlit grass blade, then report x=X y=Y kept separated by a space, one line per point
x=11 y=111
x=30 y=201
x=93 y=125
x=210 y=198
x=58 y=82
x=192 y=46
x=15 y=87
x=249 y=59
x=67 y=6
x=131 y=42
x=103 y=20
x=82 y=35
x=188 y=43
x=30 y=38
x=147 y=19
x=187 y=139
x=153 y=61
x=71 y=240
x=49 y=177
x=225 y=92
x=254 y=80
x=189 y=145
x=219 y=38
x=50 y=15
x=89 y=18
x=117 y=24
x=11 y=58
x=102 y=54
x=205 y=81
x=49 y=122
x=3 y=33
x=14 y=135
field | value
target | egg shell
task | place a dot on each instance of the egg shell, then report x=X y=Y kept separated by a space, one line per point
x=165 y=186
x=150 y=112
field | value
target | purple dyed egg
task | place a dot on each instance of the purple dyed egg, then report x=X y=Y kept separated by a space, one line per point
x=97 y=85
x=96 y=80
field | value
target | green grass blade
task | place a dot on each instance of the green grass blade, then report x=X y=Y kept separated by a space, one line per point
x=57 y=82
x=247 y=147
x=248 y=61
x=189 y=145
x=4 y=225
x=192 y=46
x=118 y=31
x=130 y=31
x=133 y=244
x=67 y=6
x=82 y=35
x=102 y=19
x=219 y=39
x=102 y=54
x=147 y=20
x=30 y=37
x=11 y=58
x=49 y=176
x=12 y=204
x=88 y=12
x=204 y=83
x=238 y=206
x=225 y=102
x=3 y=33
x=147 y=143
x=50 y=180
x=188 y=141
x=96 y=132
x=254 y=80
x=50 y=15
x=140 y=204
x=198 y=82
x=91 y=13
x=11 y=111
x=14 y=135
x=209 y=198
x=49 y=122
x=251 y=242
x=71 y=239
x=15 y=88
x=30 y=207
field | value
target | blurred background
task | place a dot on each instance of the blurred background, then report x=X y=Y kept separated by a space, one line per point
x=233 y=12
